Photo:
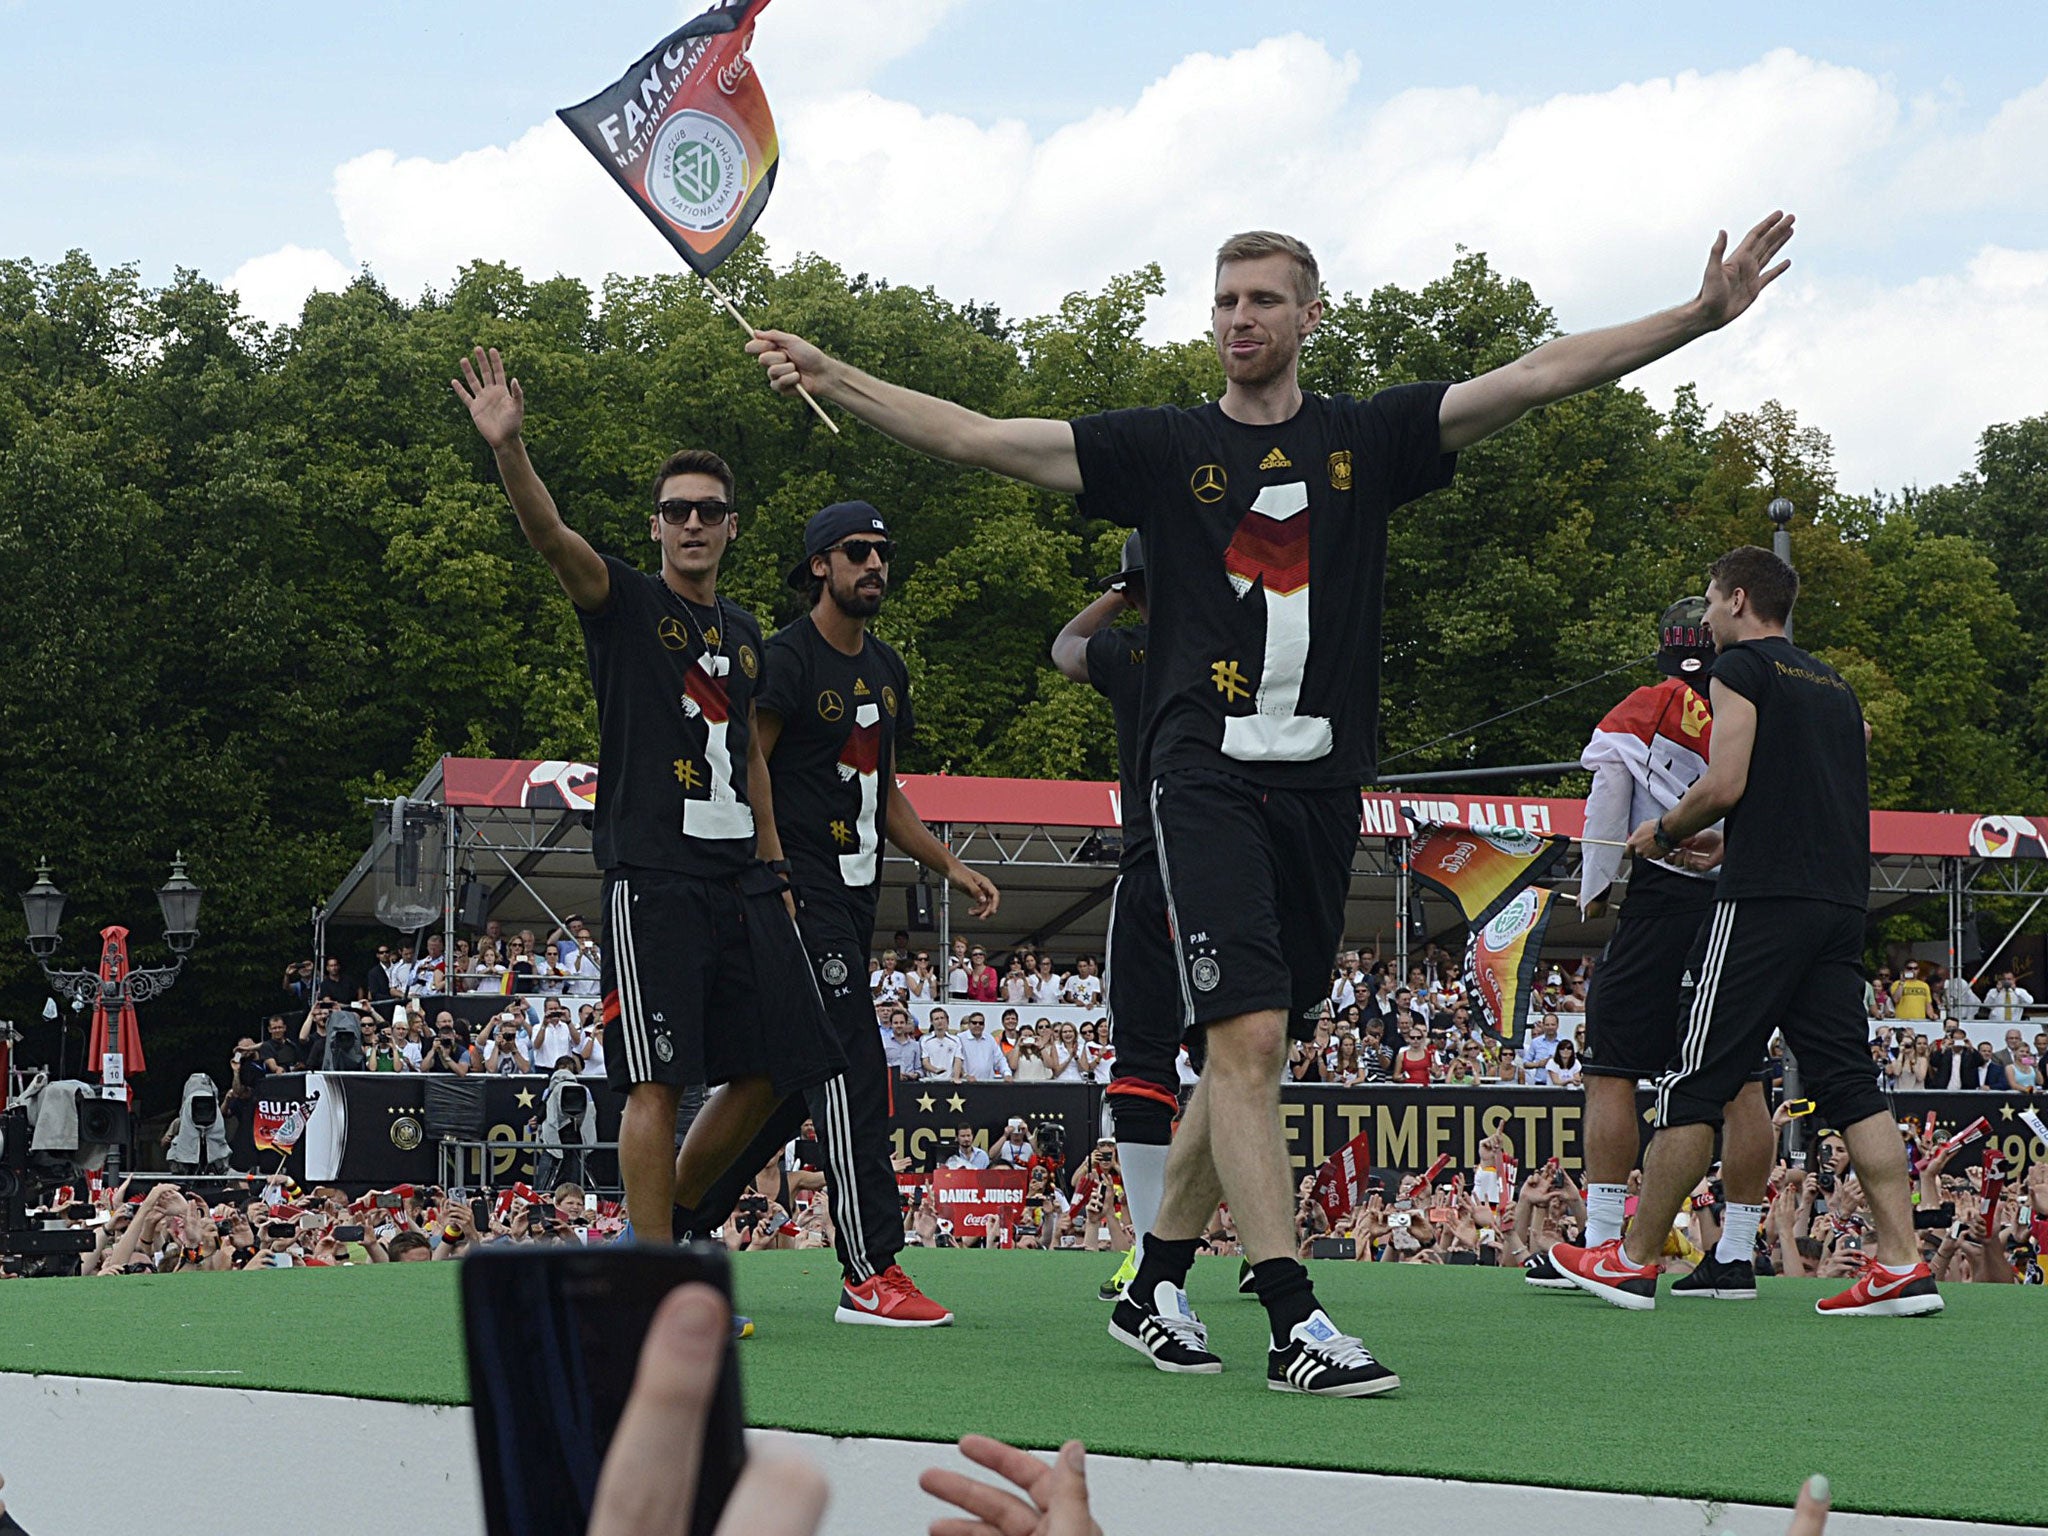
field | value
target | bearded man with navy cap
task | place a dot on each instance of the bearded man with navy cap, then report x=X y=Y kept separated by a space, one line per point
x=834 y=705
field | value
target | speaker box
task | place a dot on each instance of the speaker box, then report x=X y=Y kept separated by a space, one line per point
x=473 y=907
x=918 y=914
x=453 y=1108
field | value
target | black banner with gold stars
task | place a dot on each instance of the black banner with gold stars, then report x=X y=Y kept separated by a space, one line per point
x=368 y=1130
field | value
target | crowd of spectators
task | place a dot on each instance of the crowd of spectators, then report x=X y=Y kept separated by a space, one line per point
x=1944 y=1057
x=1815 y=1220
x=974 y=1022
x=267 y=1224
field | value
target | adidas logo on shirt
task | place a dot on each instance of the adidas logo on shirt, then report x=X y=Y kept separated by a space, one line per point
x=1276 y=460
x=860 y=685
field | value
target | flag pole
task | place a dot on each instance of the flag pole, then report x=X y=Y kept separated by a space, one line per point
x=733 y=309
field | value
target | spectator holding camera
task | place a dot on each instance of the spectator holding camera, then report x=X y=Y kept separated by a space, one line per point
x=447 y=1050
x=506 y=1051
x=1013 y=1149
x=555 y=1038
x=1029 y=1064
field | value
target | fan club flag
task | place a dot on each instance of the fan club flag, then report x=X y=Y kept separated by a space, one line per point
x=280 y=1123
x=1340 y=1182
x=1500 y=958
x=687 y=132
x=1480 y=868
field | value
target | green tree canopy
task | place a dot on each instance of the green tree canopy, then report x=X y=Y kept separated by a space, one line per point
x=259 y=574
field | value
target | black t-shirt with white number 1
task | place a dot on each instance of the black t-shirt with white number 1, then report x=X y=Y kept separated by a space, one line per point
x=1265 y=559
x=1116 y=670
x=841 y=719
x=675 y=689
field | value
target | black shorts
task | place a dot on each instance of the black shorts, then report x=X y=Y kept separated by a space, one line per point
x=678 y=981
x=1255 y=884
x=1773 y=963
x=706 y=980
x=1147 y=1022
x=1632 y=1008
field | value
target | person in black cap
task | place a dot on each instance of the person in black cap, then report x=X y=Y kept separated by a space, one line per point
x=834 y=707
x=704 y=979
x=1144 y=993
x=1645 y=754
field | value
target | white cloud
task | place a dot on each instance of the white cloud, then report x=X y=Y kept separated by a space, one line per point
x=1605 y=201
x=540 y=202
x=1904 y=379
x=274 y=287
x=806 y=49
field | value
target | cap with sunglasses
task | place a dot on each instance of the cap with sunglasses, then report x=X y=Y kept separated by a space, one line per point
x=827 y=529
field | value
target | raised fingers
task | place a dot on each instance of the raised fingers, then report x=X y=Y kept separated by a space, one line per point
x=994 y=1509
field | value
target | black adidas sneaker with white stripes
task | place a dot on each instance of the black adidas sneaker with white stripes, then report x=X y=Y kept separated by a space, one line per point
x=1542 y=1274
x=1167 y=1332
x=1322 y=1362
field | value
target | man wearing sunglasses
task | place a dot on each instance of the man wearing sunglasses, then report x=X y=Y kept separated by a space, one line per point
x=835 y=704
x=695 y=989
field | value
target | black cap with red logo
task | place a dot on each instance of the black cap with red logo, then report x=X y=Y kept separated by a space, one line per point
x=1685 y=644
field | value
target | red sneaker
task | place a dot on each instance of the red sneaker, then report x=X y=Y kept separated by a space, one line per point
x=889 y=1300
x=1880 y=1293
x=1609 y=1274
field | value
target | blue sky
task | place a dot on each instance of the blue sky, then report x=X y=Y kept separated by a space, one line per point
x=1591 y=148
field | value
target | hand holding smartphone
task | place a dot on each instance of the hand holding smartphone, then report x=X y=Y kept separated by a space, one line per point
x=554 y=1342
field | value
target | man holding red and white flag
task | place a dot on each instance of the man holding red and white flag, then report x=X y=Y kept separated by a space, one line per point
x=1645 y=754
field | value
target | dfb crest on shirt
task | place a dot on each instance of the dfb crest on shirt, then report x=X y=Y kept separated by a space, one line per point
x=833 y=971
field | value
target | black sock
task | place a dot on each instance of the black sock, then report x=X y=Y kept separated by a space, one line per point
x=1283 y=1289
x=1163 y=1260
x=685 y=1220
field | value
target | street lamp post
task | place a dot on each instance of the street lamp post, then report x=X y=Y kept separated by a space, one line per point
x=1780 y=512
x=115 y=986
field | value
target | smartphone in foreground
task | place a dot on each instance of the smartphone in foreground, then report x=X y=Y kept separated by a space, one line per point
x=554 y=1337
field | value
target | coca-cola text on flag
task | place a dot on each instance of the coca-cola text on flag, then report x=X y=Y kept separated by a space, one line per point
x=688 y=134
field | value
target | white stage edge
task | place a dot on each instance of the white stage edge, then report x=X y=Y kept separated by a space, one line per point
x=421 y=1465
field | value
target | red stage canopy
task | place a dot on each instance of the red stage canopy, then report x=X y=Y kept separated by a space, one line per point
x=529 y=783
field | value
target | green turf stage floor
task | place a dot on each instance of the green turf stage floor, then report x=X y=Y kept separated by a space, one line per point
x=1699 y=1399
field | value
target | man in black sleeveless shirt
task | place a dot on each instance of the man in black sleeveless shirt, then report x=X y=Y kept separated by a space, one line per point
x=698 y=944
x=1784 y=948
x=1265 y=515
